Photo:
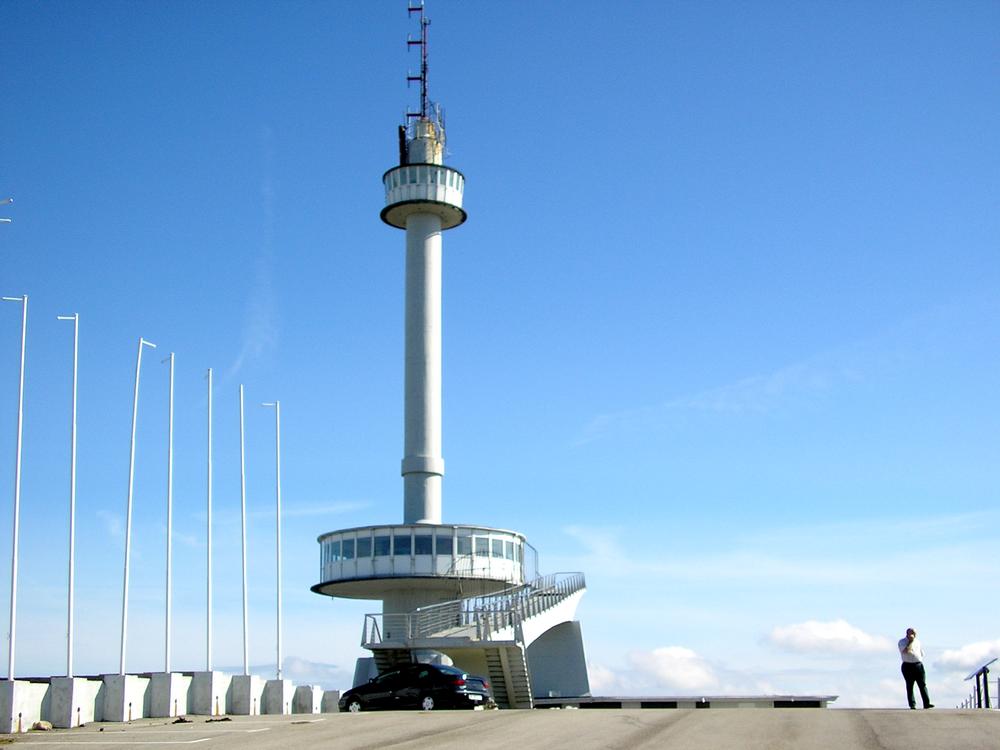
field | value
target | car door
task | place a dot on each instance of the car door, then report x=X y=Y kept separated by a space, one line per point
x=411 y=685
x=381 y=692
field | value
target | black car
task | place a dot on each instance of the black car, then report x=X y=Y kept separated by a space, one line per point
x=421 y=686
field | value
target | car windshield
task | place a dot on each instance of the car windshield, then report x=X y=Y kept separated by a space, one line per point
x=451 y=670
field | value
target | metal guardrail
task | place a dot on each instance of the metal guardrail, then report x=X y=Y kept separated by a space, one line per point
x=476 y=617
x=980 y=696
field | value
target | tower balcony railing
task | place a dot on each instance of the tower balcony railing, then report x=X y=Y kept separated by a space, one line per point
x=477 y=618
x=415 y=550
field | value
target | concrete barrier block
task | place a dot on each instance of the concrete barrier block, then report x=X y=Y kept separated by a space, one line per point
x=21 y=704
x=331 y=702
x=278 y=696
x=246 y=692
x=168 y=694
x=125 y=697
x=307 y=700
x=75 y=701
x=208 y=693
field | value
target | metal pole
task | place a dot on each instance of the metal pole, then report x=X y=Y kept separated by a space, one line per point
x=986 y=687
x=277 y=475
x=243 y=524
x=128 y=512
x=17 y=488
x=170 y=507
x=75 y=317
x=208 y=588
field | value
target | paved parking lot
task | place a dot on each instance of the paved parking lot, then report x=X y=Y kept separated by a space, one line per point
x=679 y=729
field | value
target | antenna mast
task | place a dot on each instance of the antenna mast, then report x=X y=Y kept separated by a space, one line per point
x=418 y=8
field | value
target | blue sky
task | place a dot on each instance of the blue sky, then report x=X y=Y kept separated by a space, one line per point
x=720 y=332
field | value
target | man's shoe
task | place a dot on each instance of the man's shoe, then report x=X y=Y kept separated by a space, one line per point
x=929 y=705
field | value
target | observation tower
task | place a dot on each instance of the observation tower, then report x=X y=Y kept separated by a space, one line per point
x=466 y=592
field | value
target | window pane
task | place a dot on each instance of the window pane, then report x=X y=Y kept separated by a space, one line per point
x=443 y=545
x=402 y=544
x=364 y=547
x=508 y=550
x=498 y=548
x=334 y=551
x=381 y=546
x=465 y=545
x=422 y=544
x=348 y=549
x=482 y=546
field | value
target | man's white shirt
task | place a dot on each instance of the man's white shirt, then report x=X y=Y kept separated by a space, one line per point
x=915 y=654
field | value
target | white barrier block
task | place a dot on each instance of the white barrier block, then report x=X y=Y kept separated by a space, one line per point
x=125 y=697
x=21 y=704
x=75 y=701
x=208 y=693
x=331 y=702
x=168 y=694
x=245 y=695
x=278 y=697
x=307 y=700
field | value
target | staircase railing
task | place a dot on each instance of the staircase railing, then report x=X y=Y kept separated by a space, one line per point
x=475 y=617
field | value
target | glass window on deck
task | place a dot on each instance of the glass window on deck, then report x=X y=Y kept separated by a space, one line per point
x=382 y=546
x=464 y=544
x=442 y=544
x=422 y=544
x=364 y=547
x=401 y=544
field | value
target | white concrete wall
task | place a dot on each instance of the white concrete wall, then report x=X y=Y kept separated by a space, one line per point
x=75 y=701
x=278 y=695
x=125 y=697
x=557 y=664
x=246 y=693
x=308 y=699
x=21 y=704
x=169 y=694
x=207 y=696
x=331 y=702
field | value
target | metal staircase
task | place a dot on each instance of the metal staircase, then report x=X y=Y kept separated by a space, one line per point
x=492 y=624
x=508 y=673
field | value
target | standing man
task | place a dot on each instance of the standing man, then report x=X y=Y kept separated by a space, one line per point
x=913 y=668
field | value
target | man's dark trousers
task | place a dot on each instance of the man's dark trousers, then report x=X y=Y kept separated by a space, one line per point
x=913 y=672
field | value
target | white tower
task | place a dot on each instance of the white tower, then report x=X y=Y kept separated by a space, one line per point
x=424 y=197
x=466 y=592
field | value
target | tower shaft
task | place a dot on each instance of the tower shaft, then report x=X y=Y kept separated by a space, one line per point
x=423 y=464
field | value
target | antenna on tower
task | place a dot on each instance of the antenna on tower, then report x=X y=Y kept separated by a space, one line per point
x=418 y=8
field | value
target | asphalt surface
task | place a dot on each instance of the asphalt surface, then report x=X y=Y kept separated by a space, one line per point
x=676 y=729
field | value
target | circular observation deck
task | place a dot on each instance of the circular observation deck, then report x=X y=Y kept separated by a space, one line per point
x=423 y=189
x=369 y=561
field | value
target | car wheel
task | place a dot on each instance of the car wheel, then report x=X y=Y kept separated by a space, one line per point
x=354 y=706
x=427 y=703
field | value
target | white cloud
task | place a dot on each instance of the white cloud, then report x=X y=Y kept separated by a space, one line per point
x=605 y=681
x=674 y=668
x=836 y=636
x=970 y=656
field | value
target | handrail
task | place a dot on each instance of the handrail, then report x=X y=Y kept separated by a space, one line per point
x=980 y=697
x=477 y=617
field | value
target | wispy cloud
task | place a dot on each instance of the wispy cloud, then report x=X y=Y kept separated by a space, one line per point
x=924 y=335
x=756 y=394
x=112 y=524
x=836 y=636
x=260 y=328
